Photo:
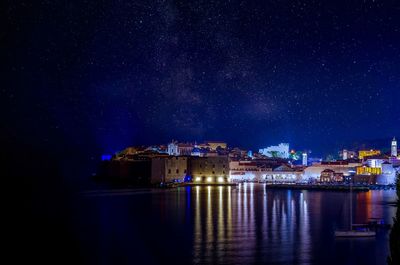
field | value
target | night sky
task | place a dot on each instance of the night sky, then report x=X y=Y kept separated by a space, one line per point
x=96 y=76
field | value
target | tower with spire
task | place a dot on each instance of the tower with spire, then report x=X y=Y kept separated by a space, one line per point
x=394 y=147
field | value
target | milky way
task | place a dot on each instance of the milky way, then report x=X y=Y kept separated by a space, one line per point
x=108 y=74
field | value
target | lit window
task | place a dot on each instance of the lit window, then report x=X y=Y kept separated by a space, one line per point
x=209 y=179
x=220 y=179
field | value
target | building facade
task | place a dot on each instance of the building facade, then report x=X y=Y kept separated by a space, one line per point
x=348 y=154
x=282 y=174
x=246 y=171
x=330 y=176
x=305 y=159
x=214 y=145
x=251 y=171
x=394 y=147
x=313 y=173
x=185 y=149
x=365 y=153
x=172 y=149
x=388 y=175
x=169 y=169
x=209 y=170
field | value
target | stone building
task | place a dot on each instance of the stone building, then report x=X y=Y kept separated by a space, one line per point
x=282 y=174
x=330 y=176
x=214 y=145
x=209 y=170
x=313 y=173
x=169 y=169
x=243 y=171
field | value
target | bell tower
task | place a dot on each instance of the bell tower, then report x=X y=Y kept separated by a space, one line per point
x=394 y=147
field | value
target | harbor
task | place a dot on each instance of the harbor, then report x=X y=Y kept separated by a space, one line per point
x=249 y=222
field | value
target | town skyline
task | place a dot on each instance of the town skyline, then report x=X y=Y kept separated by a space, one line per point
x=214 y=162
x=380 y=143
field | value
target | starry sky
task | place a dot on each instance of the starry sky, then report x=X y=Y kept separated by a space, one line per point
x=102 y=75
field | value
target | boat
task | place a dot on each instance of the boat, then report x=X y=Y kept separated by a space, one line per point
x=354 y=229
x=354 y=233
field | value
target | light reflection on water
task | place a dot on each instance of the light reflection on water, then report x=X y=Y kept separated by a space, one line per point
x=247 y=224
x=251 y=224
x=263 y=225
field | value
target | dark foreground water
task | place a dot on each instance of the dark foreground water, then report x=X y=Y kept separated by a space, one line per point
x=248 y=224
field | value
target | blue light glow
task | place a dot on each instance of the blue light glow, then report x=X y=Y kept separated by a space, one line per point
x=106 y=157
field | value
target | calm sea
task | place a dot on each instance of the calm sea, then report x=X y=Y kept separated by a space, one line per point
x=248 y=224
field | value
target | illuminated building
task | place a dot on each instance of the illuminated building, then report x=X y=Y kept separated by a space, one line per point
x=209 y=169
x=251 y=171
x=281 y=150
x=375 y=161
x=313 y=173
x=282 y=174
x=347 y=154
x=305 y=159
x=388 y=175
x=329 y=176
x=173 y=148
x=381 y=167
x=185 y=149
x=246 y=171
x=384 y=174
x=214 y=145
x=365 y=153
x=364 y=170
x=394 y=147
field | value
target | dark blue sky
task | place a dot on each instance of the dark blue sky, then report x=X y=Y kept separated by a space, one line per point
x=101 y=75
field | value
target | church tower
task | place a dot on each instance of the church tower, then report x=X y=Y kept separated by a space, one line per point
x=394 y=147
x=305 y=159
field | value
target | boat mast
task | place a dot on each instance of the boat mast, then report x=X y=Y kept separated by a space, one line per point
x=351 y=204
